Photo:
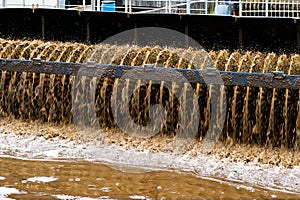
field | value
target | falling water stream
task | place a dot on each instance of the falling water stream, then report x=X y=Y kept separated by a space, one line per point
x=261 y=117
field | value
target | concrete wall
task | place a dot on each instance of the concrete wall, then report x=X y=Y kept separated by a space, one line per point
x=212 y=32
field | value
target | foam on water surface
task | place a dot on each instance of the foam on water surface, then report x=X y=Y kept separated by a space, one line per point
x=42 y=179
x=5 y=191
x=276 y=178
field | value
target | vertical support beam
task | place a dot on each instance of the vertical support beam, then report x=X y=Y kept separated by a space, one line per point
x=88 y=30
x=135 y=39
x=240 y=35
x=186 y=32
x=298 y=38
x=43 y=27
x=4 y=3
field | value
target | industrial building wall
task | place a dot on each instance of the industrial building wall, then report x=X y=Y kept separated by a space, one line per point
x=213 y=32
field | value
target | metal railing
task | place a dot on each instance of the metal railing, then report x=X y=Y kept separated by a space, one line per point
x=240 y=8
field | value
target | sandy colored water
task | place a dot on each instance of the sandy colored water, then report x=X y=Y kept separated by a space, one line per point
x=50 y=160
x=67 y=180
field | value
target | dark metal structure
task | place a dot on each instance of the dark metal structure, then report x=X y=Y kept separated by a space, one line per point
x=268 y=80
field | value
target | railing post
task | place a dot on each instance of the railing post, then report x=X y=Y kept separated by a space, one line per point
x=166 y=10
x=126 y=6
x=206 y=8
x=93 y=5
x=216 y=7
x=240 y=8
x=129 y=6
x=170 y=6
x=4 y=3
x=83 y=4
x=58 y=3
x=188 y=6
x=61 y=4
x=98 y=5
x=267 y=9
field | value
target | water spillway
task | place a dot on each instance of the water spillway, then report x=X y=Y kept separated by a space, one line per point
x=255 y=115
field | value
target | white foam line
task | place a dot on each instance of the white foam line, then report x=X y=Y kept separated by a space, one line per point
x=42 y=179
x=62 y=196
x=5 y=191
x=265 y=176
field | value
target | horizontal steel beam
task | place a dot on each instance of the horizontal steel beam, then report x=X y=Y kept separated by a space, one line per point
x=209 y=76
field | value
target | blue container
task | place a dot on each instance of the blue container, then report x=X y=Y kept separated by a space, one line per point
x=108 y=6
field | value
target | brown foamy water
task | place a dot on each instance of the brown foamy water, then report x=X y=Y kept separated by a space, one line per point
x=67 y=180
x=49 y=161
x=260 y=141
